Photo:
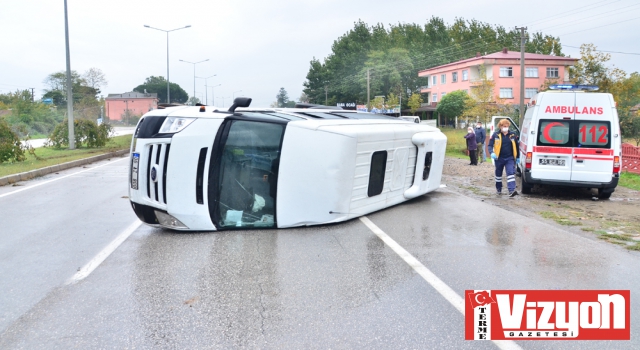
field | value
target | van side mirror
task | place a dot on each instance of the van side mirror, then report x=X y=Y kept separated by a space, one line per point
x=240 y=102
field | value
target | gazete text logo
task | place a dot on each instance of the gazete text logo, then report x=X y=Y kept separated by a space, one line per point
x=547 y=314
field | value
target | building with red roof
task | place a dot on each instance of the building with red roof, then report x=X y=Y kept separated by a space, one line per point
x=503 y=68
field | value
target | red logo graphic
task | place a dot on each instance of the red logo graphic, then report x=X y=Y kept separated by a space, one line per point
x=547 y=315
x=480 y=299
x=547 y=130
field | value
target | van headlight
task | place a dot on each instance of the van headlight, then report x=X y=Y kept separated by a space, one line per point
x=173 y=125
x=167 y=220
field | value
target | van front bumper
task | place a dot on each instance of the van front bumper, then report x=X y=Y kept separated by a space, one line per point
x=604 y=185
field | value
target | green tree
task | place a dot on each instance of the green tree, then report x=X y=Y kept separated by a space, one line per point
x=626 y=93
x=393 y=55
x=591 y=69
x=453 y=104
x=282 y=98
x=377 y=102
x=158 y=85
x=415 y=101
x=193 y=101
x=483 y=100
x=10 y=146
x=392 y=100
x=57 y=83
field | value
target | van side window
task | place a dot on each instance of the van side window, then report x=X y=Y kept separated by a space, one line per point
x=376 y=173
x=593 y=134
x=554 y=133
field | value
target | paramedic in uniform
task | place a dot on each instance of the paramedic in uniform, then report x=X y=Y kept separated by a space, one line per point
x=503 y=146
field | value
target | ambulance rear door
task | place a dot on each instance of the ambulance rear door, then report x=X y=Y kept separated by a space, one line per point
x=593 y=151
x=552 y=150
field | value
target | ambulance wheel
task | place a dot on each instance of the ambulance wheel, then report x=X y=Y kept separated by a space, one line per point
x=526 y=187
x=602 y=194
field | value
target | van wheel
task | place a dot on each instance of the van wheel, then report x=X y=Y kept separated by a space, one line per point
x=526 y=187
x=602 y=194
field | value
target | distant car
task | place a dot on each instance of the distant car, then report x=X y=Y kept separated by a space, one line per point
x=411 y=118
x=202 y=168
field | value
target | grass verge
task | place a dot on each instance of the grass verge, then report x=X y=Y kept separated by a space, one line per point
x=562 y=220
x=630 y=180
x=456 y=144
x=49 y=156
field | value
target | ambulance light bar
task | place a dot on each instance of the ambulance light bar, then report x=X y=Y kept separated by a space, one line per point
x=574 y=87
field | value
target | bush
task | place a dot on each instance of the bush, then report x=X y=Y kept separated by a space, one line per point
x=86 y=132
x=10 y=146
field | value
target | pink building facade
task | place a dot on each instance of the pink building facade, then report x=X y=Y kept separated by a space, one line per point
x=501 y=67
x=119 y=106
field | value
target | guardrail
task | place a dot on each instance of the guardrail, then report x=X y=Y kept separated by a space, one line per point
x=630 y=158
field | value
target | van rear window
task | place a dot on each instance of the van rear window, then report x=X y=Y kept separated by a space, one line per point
x=574 y=133
x=592 y=134
x=554 y=133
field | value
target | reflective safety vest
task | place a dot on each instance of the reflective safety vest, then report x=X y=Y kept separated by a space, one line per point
x=497 y=145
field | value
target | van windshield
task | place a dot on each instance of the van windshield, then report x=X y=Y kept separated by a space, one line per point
x=248 y=174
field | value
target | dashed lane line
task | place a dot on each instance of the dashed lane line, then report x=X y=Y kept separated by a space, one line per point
x=58 y=178
x=449 y=294
x=104 y=254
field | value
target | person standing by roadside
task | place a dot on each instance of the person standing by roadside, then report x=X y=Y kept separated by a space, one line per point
x=503 y=146
x=472 y=145
x=481 y=136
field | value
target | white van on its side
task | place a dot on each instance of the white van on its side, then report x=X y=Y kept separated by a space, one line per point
x=571 y=138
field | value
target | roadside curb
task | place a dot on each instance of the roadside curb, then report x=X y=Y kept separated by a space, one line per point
x=9 y=179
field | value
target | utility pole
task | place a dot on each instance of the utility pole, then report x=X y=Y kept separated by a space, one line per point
x=32 y=98
x=72 y=137
x=326 y=95
x=368 y=91
x=522 y=40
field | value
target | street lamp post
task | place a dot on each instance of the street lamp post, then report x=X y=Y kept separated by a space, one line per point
x=223 y=100
x=194 y=73
x=234 y=93
x=72 y=139
x=213 y=93
x=206 y=91
x=167 y=31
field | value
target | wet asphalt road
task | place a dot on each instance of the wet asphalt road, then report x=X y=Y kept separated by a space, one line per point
x=335 y=286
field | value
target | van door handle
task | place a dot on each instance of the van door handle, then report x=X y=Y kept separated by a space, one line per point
x=598 y=151
x=579 y=160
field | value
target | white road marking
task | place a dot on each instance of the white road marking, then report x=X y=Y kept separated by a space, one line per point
x=104 y=254
x=58 y=178
x=449 y=294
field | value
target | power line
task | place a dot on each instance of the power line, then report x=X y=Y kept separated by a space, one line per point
x=606 y=25
x=624 y=53
x=585 y=18
x=584 y=8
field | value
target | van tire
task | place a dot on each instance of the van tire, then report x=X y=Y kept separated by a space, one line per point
x=526 y=187
x=604 y=195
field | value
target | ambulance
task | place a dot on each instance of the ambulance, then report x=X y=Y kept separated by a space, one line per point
x=201 y=168
x=571 y=137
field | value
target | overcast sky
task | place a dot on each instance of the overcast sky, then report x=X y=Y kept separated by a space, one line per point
x=258 y=46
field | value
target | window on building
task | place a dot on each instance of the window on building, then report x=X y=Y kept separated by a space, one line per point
x=465 y=75
x=552 y=73
x=531 y=72
x=434 y=80
x=506 y=72
x=454 y=77
x=443 y=78
x=376 y=173
x=435 y=98
x=530 y=92
x=506 y=93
